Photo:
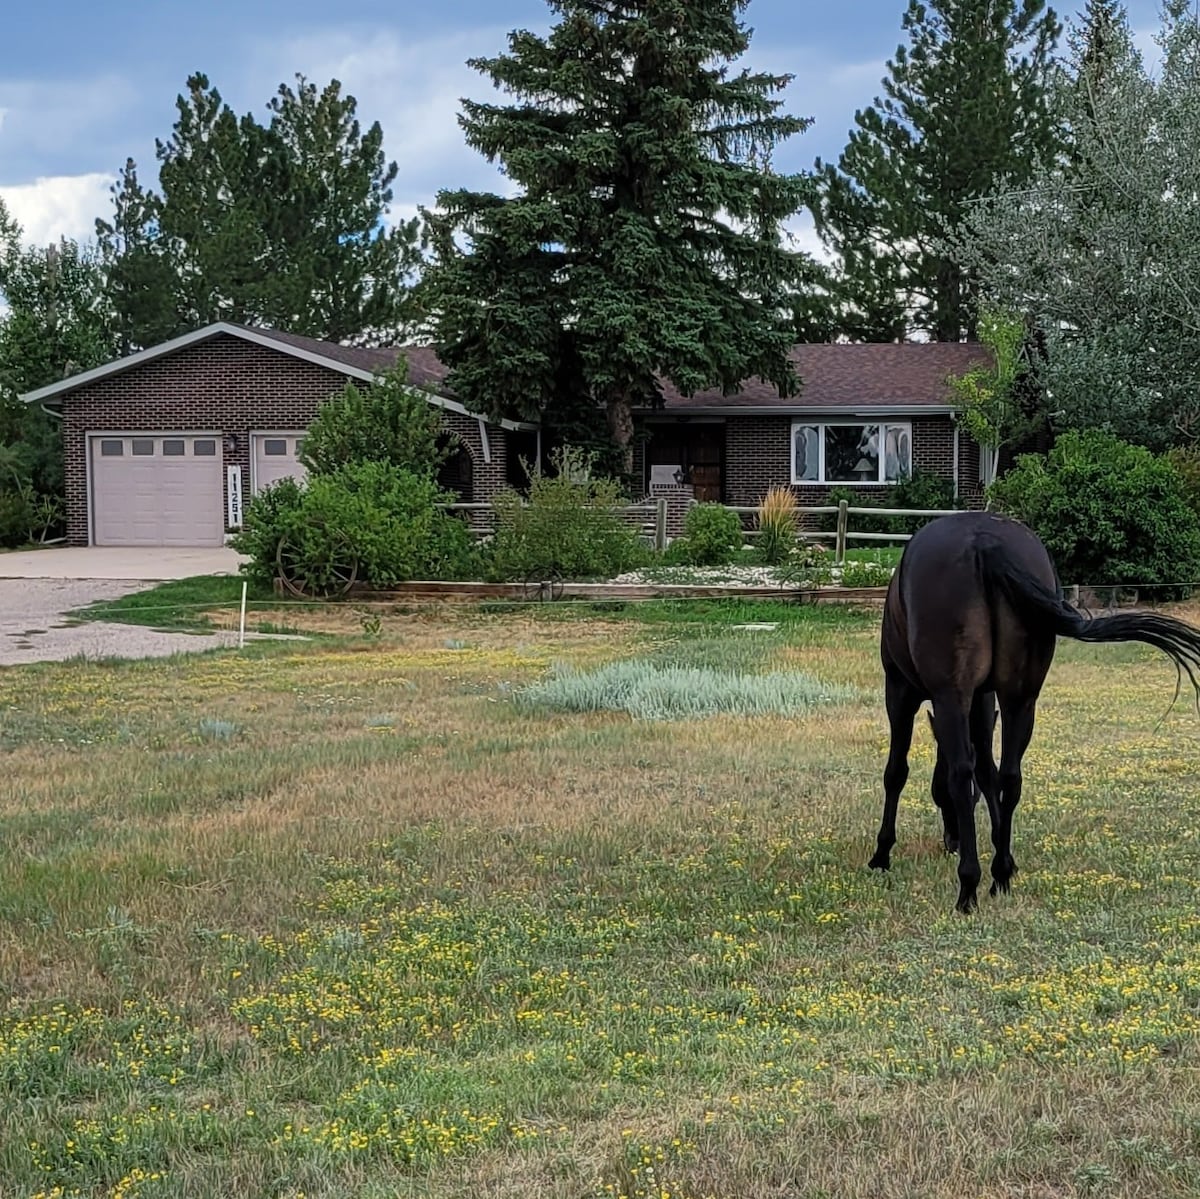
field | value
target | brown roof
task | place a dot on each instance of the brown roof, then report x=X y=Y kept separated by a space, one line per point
x=833 y=375
x=839 y=375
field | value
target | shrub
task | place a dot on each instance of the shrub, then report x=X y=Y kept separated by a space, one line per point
x=777 y=523
x=1186 y=461
x=918 y=490
x=389 y=422
x=712 y=536
x=570 y=527
x=812 y=566
x=16 y=516
x=651 y=692
x=1108 y=512
x=379 y=516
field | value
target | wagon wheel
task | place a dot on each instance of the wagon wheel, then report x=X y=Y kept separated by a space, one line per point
x=543 y=585
x=332 y=574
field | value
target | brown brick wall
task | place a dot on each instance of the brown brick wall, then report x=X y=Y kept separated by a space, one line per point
x=758 y=455
x=225 y=386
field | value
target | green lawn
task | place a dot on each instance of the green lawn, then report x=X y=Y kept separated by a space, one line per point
x=344 y=918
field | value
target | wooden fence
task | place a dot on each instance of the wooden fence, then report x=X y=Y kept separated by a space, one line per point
x=653 y=525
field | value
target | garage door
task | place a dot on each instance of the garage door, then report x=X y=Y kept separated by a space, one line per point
x=164 y=489
x=276 y=456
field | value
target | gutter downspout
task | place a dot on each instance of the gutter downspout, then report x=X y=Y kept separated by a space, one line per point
x=956 y=459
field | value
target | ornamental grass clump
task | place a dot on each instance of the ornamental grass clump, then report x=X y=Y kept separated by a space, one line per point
x=777 y=523
x=648 y=691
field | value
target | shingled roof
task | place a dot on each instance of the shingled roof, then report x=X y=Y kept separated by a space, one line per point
x=832 y=375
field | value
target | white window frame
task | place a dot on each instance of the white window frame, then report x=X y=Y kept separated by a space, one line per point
x=804 y=422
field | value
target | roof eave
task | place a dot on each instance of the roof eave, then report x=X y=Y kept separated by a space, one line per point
x=55 y=391
x=800 y=410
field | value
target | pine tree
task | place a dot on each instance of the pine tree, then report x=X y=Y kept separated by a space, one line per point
x=644 y=239
x=344 y=273
x=965 y=105
x=141 y=279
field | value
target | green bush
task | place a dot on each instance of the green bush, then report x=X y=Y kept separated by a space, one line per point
x=1108 y=512
x=388 y=422
x=712 y=536
x=381 y=517
x=1186 y=461
x=16 y=516
x=921 y=489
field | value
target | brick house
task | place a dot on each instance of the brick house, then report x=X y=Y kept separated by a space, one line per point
x=162 y=447
x=865 y=415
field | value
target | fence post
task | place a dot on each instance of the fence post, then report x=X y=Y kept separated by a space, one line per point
x=843 y=522
x=660 y=524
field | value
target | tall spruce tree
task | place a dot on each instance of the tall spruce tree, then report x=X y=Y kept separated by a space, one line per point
x=964 y=105
x=644 y=241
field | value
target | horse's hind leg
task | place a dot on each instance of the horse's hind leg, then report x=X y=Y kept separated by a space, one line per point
x=1016 y=730
x=950 y=718
x=983 y=736
x=902 y=704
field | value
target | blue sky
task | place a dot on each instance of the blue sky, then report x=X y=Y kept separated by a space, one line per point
x=83 y=85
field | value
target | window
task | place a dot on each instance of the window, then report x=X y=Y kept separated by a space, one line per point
x=173 y=447
x=112 y=449
x=851 y=452
x=143 y=447
x=206 y=449
x=275 y=446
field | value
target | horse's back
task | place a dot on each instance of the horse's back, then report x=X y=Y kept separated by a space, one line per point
x=944 y=627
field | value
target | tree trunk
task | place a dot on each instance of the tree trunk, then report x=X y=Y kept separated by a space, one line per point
x=620 y=426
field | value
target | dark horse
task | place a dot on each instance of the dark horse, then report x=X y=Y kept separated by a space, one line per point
x=970 y=621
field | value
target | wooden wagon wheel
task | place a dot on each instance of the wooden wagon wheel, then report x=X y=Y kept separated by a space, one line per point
x=543 y=585
x=332 y=574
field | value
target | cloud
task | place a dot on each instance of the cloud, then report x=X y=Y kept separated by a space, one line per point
x=58 y=206
x=58 y=126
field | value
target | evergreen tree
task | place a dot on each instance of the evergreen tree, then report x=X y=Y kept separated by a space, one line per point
x=964 y=106
x=344 y=273
x=280 y=224
x=644 y=241
x=141 y=278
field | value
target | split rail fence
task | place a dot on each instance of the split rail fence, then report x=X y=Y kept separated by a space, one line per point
x=653 y=526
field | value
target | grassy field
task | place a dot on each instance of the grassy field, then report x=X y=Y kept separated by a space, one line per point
x=356 y=917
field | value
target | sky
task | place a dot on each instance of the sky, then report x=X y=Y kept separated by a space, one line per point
x=84 y=85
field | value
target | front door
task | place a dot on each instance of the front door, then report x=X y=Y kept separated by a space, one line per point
x=695 y=449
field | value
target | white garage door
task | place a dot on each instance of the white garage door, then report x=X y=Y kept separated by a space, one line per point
x=161 y=489
x=276 y=456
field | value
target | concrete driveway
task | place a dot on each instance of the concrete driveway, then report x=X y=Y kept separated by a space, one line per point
x=34 y=625
x=104 y=562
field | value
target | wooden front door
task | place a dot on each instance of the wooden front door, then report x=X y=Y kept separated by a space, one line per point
x=705 y=452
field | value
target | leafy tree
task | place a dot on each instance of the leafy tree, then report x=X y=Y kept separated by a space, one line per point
x=390 y=421
x=644 y=238
x=56 y=324
x=1102 y=248
x=964 y=105
x=989 y=395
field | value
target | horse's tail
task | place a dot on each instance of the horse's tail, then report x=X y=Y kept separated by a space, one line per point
x=1046 y=605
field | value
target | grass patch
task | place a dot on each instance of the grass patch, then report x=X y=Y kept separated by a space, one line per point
x=177 y=604
x=338 y=919
x=879 y=555
x=649 y=691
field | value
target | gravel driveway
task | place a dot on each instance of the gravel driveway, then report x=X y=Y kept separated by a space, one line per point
x=32 y=628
